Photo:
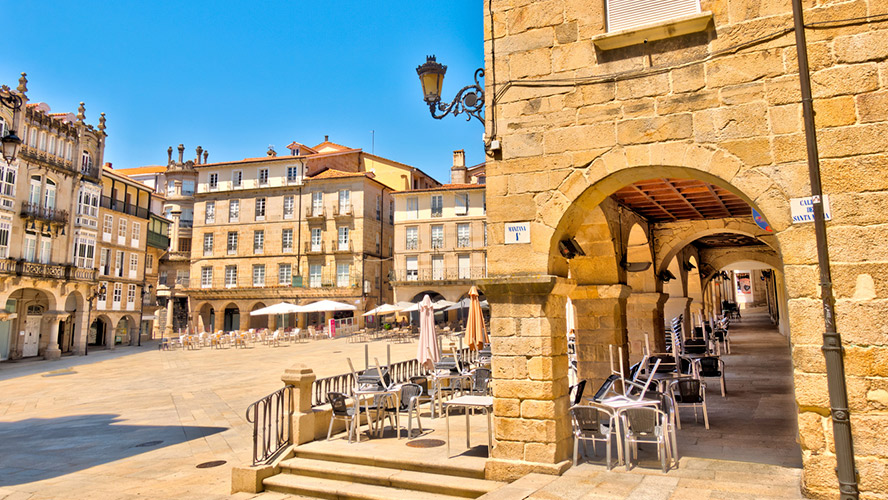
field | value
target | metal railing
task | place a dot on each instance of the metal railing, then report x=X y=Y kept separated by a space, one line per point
x=463 y=242
x=339 y=246
x=412 y=244
x=315 y=247
x=328 y=279
x=271 y=417
x=344 y=209
x=439 y=274
x=122 y=206
x=438 y=242
x=35 y=211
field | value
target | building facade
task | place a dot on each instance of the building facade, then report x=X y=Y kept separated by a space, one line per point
x=49 y=223
x=440 y=237
x=599 y=117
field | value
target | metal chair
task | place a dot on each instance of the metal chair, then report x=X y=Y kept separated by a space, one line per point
x=645 y=425
x=409 y=403
x=344 y=411
x=594 y=423
x=480 y=382
x=712 y=367
x=576 y=392
x=689 y=393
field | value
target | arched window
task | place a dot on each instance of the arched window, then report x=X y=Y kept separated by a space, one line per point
x=33 y=141
x=42 y=146
x=34 y=193
x=49 y=195
x=86 y=162
x=52 y=144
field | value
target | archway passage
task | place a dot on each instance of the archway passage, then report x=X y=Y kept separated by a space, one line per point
x=231 y=318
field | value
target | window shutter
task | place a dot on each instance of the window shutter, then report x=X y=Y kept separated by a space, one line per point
x=626 y=14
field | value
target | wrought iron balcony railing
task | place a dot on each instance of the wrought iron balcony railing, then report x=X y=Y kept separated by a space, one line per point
x=440 y=274
x=51 y=215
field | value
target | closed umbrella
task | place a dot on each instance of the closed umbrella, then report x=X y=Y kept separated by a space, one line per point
x=476 y=333
x=571 y=320
x=427 y=353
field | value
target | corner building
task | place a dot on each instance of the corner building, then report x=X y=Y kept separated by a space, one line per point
x=640 y=136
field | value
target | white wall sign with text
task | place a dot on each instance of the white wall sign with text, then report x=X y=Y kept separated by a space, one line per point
x=517 y=232
x=803 y=209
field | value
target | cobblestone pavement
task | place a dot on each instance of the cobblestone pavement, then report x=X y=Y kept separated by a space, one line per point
x=134 y=422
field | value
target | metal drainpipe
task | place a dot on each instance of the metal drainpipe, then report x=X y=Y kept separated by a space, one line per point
x=832 y=340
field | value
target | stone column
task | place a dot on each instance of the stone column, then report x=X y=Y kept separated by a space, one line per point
x=644 y=315
x=301 y=377
x=110 y=333
x=52 y=351
x=530 y=387
x=601 y=322
x=244 y=320
x=218 y=320
x=168 y=328
x=300 y=320
x=81 y=332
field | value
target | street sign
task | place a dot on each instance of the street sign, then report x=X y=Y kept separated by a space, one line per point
x=516 y=232
x=802 y=209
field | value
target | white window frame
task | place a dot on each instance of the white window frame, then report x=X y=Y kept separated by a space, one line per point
x=437 y=267
x=260 y=208
x=315 y=272
x=259 y=275
x=29 y=252
x=208 y=241
x=437 y=236
x=436 y=203
x=237 y=179
x=293 y=174
x=134 y=266
x=412 y=268
x=289 y=206
x=464 y=266
x=343 y=274
x=8 y=177
x=317 y=203
x=234 y=211
x=136 y=233
x=117 y=295
x=131 y=294
x=342 y=239
x=287 y=239
x=107 y=227
x=213 y=181
x=230 y=276
x=285 y=274
x=259 y=241
x=412 y=238
x=412 y=207
x=210 y=213
x=119 y=263
x=5 y=231
x=262 y=176
x=231 y=243
x=461 y=204
x=316 y=239
x=206 y=277
x=630 y=14
x=464 y=235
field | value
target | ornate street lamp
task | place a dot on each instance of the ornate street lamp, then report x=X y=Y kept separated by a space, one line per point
x=10 y=142
x=469 y=100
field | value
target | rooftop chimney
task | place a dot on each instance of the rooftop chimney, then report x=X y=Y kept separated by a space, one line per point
x=181 y=153
x=326 y=138
x=169 y=155
x=458 y=170
x=206 y=155
x=198 y=150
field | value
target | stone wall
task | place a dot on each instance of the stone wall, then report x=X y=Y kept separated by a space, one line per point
x=722 y=106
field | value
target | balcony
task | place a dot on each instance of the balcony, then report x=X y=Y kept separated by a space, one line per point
x=343 y=210
x=33 y=211
x=33 y=154
x=463 y=242
x=120 y=206
x=412 y=245
x=52 y=271
x=343 y=247
x=315 y=214
x=438 y=243
x=314 y=248
x=326 y=280
x=179 y=255
x=437 y=274
x=158 y=240
x=437 y=212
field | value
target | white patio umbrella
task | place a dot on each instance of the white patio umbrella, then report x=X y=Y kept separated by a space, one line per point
x=437 y=305
x=427 y=352
x=279 y=308
x=382 y=310
x=327 y=305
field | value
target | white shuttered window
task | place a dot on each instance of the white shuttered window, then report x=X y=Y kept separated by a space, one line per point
x=628 y=14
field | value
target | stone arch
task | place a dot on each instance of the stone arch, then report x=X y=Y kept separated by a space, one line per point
x=257 y=322
x=683 y=233
x=73 y=330
x=638 y=250
x=434 y=295
x=126 y=328
x=597 y=237
x=101 y=330
x=231 y=314
x=206 y=317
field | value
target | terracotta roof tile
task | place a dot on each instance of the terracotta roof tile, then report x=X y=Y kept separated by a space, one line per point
x=445 y=187
x=338 y=174
x=149 y=169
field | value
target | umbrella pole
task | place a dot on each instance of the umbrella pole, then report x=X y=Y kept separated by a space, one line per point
x=388 y=356
x=366 y=356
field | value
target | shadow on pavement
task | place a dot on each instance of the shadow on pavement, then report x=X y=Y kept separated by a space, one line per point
x=36 y=449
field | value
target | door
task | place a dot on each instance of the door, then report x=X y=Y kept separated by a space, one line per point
x=4 y=339
x=32 y=336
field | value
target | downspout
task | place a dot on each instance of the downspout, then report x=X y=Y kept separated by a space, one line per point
x=832 y=340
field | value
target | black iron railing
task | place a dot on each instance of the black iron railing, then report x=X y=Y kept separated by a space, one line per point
x=35 y=211
x=271 y=417
x=439 y=274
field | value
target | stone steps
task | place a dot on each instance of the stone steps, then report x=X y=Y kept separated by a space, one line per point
x=319 y=474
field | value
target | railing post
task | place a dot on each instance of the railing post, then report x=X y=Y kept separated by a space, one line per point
x=302 y=418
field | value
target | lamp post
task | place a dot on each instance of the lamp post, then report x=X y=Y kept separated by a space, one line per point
x=469 y=100
x=11 y=142
x=100 y=292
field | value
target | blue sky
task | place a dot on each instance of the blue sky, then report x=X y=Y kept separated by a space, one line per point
x=235 y=77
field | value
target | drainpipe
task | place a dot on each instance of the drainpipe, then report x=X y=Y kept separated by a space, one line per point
x=832 y=340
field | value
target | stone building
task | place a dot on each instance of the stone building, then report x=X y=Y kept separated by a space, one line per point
x=49 y=208
x=652 y=139
x=125 y=216
x=440 y=237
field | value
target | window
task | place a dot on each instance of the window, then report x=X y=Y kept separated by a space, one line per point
x=437 y=267
x=206 y=277
x=285 y=274
x=34 y=193
x=465 y=271
x=260 y=208
x=344 y=201
x=87 y=203
x=185 y=245
x=45 y=250
x=8 y=174
x=42 y=141
x=208 y=244
x=108 y=224
x=342 y=275
x=259 y=241
x=49 y=195
x=33 y=141
x=233 y=210
x=412 y=269
x=317 y=204
x=412 y=238
x=377 y=243
x=30 y=250
x=131 y=294
x=391 y=211
x=52 y=145
x=210 y=215
x=232 y=242
x=378 y=208
x=413 y=208
x=5 y=228
x=461 y=202
x=163 y=277
x=171 y=188
x=149 y=262
x=484 y=202
x=105 y=262
x=134 y=264
x=121 y=228
x=214 y=181
x=343 y=238
x=315 y=239
x=287 y=240
x=437 y=205
x=292 y=174
x=86 y=162
x=314 y=275
x=485 y=234
x=84 y=251
x=118 y=263
x=69 y=151
x=183 y=277
x=137 y=231
x=463 y=236
x=289 y=203
x=188 y=188
x=438 y=236
x=258 y=274
x=263 y=176
x=187 y=217
x=237 y=178
x=118 y=293
x=230 y=276
x=624 y=14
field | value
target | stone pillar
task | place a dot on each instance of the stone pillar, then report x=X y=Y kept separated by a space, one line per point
x=601 y=322
x=644 y=318
x=110 y=333
x=174 y=231
x=52 y=351
x=675 y=306
x=244 y=320
x=218 y=320
x=81 y=332
x=300 y=320
x=301 y=377
x=529 y=345
x=168 y=328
